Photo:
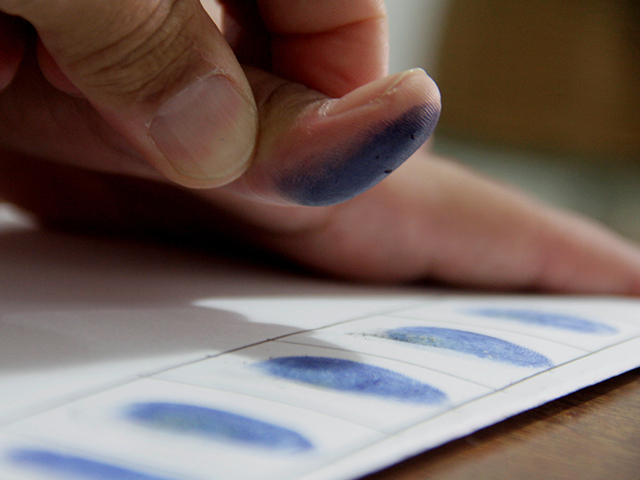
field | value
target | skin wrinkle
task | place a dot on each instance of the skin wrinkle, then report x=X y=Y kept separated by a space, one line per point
x=157 y=49
x=158 y=68
x=100 y=26
x=159 y=86
x=284 y=93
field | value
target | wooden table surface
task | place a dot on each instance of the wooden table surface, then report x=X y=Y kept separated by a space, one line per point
x=591 y=434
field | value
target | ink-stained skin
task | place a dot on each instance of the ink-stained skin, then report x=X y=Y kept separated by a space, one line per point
x=217 y=425
x=354 y=377
x=478 y=345
x=341 y=174
x=546 y=319
x=74 y=467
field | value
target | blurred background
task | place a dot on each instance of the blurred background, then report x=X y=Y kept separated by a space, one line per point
x=541 y=94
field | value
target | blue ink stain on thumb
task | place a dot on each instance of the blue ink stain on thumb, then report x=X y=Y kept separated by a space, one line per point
x=217 y=425
x=343 y=175
x=478 y=345
x=71 y=466
x=354 y=377
x=546 y=319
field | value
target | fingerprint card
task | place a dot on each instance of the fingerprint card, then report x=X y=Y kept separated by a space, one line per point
x=198 y=433
x=494 y=359
x=375 y=392
x=589 y=324
x=354 y=394
x=129 y=362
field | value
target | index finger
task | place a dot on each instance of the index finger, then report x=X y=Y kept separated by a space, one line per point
x=332 y=46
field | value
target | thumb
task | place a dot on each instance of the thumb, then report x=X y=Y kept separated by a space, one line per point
x=316 y=151
x=160 y=72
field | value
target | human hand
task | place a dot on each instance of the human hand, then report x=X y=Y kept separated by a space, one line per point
x=152 y=89
x=431 y=219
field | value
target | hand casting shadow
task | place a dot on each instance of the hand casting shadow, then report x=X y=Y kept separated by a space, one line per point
x=71 y=300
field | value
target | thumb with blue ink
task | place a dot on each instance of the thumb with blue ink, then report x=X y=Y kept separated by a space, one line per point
x=314 y=150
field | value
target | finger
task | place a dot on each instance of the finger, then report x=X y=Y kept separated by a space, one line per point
x=436 y=220
x=495 y=237
x=245 y=31
x=432 y=220
x=315 y=151
x=331 y=46
x=161 y=73
x=72 y=198
x=11 y=47
x=312 y=149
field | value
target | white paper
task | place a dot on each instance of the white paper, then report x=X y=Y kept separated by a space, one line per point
x=126 y=358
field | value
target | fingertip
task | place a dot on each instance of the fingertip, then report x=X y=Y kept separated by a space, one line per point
x=396 y=114
x=342 y=175
x=582 y=256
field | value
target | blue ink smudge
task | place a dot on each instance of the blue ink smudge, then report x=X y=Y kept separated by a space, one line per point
x=218 y=425
x=478 y=345
x=350 y=376
x=547 y=319
x=344 y=176
x=78 y=467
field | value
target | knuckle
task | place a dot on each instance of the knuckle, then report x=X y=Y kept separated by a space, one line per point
x=146 y=59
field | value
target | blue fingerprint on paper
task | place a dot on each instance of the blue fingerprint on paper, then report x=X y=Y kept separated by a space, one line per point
x=476 y=344
x=71 y=466
x=547 y=319
x=217 y=425
x=354 y=377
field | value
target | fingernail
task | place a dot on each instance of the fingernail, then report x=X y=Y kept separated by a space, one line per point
x=207 y=131
x=369 y=93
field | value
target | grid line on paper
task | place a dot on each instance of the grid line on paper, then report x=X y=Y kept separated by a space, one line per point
x=393 y=359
